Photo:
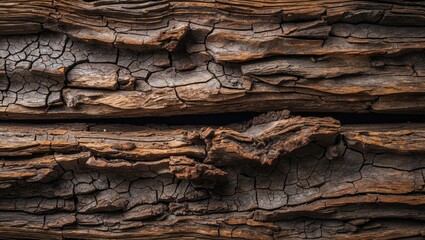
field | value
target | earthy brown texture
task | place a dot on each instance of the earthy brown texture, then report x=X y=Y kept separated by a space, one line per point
x=61 y=59
x=276 y=176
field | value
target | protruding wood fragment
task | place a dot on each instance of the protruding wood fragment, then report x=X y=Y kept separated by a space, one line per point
x=101 y=76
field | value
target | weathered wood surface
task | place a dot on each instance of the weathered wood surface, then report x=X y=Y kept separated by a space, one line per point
x=275 y=177
x=97 y=59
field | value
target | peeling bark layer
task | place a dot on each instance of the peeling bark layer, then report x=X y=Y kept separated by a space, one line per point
x=274 y=177
x=164 y=58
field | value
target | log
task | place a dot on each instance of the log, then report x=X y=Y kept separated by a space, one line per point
x=275 y=176
x=106 y=59
x=294 y=171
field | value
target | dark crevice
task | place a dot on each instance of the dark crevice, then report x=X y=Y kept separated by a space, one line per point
x=231 y=118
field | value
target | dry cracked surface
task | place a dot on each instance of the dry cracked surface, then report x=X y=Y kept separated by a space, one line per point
x=98 y=59
x=275 y=177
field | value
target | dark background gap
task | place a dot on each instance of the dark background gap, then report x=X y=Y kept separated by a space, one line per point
x=229 y=118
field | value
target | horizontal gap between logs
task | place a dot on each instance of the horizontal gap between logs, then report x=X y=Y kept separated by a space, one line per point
x=230 y=118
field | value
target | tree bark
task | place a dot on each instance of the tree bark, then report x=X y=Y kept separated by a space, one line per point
x=276 y=176
x=170 y=58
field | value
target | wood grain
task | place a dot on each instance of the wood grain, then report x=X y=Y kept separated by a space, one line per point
x=68 y=65
x=276 y=176
x=166 y=58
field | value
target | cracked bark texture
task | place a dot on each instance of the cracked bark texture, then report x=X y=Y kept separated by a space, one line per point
x=101 y=58
x=276 y=176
